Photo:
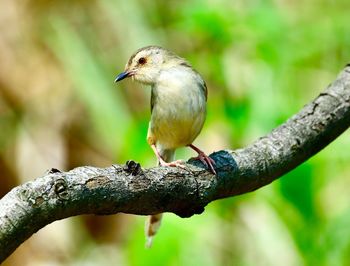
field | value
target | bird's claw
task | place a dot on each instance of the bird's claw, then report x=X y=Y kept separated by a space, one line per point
x=177 y=163
x=206 y=160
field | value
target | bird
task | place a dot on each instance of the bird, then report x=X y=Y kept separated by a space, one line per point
x=178 y=108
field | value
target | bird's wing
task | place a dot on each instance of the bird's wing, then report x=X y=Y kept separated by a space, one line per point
x=153 y=100
x=202 y=85
x=200 y=80
x=205 y=89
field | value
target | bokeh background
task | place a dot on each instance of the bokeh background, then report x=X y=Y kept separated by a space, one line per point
x=262 y=61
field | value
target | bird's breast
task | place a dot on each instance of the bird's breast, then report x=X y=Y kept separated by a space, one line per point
x=178 y=112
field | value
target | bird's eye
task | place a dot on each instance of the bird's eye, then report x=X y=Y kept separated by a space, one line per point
x=142 y=61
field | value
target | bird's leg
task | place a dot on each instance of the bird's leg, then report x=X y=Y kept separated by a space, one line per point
x=161 y=161
x=205 y=159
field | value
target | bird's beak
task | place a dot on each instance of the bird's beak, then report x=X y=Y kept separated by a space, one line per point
x=122 y=76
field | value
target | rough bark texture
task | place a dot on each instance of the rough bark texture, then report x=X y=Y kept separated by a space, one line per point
x=130 y=189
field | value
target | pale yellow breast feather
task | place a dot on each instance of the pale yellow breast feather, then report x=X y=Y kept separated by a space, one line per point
x=179 y=109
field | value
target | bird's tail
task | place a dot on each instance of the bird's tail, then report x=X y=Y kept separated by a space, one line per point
x=153 y=221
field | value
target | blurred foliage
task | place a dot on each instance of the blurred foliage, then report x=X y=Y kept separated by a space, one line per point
x=262 y=60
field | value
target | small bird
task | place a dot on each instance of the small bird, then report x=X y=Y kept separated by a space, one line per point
x=178 y=108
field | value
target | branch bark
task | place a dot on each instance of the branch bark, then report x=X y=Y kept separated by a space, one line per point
x=130 y=189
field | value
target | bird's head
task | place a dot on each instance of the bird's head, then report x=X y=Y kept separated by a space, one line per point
x=146 y=64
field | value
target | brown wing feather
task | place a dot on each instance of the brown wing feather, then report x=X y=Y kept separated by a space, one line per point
x=201 y=82
x=205 y=89
x=153 y=100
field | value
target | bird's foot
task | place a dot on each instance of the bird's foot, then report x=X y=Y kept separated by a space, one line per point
x=177 y=163
x=205 y=159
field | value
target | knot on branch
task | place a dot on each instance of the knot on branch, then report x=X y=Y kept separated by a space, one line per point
x=132 y=167
x=53 y=171
x=61 y=188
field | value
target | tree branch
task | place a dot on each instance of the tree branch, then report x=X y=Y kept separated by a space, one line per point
x=131 y=189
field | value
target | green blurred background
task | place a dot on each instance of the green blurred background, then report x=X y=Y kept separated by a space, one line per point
x=262 y=60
